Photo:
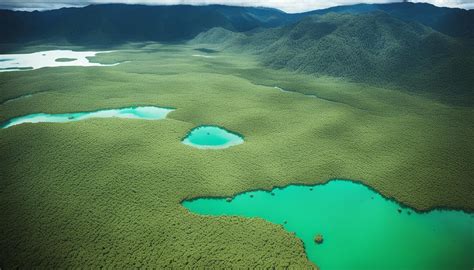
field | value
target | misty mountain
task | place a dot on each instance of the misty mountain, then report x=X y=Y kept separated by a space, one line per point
x=118 y=23
x=113 y=23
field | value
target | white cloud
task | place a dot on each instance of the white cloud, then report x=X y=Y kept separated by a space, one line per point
x=286 y=5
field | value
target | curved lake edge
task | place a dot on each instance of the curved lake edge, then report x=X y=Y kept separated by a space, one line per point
x=23 y=60
x=402 y=205
x=348 y=213
x=187 y=134
x=6 y=122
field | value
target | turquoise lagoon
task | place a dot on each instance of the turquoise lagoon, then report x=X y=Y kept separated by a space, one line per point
x=144 y=112
x=361 y=229
x=212 y=137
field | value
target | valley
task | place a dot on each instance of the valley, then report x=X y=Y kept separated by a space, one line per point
x=254 y=139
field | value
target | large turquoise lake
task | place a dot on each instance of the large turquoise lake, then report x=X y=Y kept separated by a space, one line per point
x=143 y=112
x=361 y=229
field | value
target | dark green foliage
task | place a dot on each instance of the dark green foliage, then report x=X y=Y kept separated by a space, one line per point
x=372 y=47
x=110 y=24
x=450 y=21
x=115 y=23
x=65 y=59
x=107 y=192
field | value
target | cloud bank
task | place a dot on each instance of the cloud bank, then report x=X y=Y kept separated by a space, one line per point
x=290 y=6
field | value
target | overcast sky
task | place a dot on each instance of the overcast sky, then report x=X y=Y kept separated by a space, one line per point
x=286 y=5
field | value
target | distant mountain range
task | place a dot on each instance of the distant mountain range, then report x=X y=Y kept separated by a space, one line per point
x=416 y=46
x=114 y=23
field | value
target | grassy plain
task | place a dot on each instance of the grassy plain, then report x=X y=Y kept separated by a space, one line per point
x=107 y=192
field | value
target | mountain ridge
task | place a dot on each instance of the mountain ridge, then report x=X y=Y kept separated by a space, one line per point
x=115 y=23
x=455 y=22
x=374 y=48
x=102 y=24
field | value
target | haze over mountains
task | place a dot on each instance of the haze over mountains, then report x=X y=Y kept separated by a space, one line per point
x=112 y=23
x=415 y=46
x=115 y=23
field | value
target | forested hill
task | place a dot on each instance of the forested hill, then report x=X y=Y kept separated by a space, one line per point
x=416 y=46
x=114 y=23
x=109 y=24
x=450 y=21
x=372 y=47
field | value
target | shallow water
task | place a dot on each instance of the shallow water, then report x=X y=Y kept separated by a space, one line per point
x=212 y=137
x=145 y=112
x=28 y=61
x=360 y=228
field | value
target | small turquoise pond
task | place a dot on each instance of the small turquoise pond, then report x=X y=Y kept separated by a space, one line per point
x=145 y=112
x=360 y=228
x=212 y=137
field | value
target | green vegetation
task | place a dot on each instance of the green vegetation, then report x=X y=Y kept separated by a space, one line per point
x=112 y=24
x=362 y=230
x=454 y=22
x=107 y=192
x=393 y=53
x=65 y=59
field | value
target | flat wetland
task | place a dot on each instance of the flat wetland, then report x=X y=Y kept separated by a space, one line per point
x=108 y=192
